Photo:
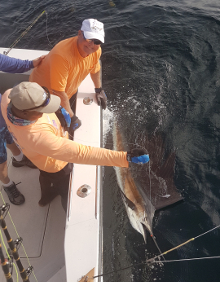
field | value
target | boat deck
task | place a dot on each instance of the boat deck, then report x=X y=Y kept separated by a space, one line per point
x=36 y=225
x=60 y=247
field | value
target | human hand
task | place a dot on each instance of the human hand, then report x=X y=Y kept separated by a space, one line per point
x=75 y=123
x=101 y=97
x=138 y=156
x=63 y=117
x=66 y=116
x=37 y=62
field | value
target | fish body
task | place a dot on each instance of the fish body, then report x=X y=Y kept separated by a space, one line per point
x=134 y=204
x=156 y=188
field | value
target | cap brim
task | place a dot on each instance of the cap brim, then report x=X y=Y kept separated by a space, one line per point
x=52 y=107
x=93 y=35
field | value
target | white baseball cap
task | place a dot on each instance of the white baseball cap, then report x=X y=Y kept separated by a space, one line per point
x=93 y=29
x=31 y=96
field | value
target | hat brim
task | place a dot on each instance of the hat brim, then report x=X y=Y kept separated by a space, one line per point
x=93 y=35
x=52 y=107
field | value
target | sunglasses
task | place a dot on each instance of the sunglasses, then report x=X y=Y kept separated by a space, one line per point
x=95 y=41
x=45 y=103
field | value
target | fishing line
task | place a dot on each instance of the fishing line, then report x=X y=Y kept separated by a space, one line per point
x=23 y=34
x=26 y=31
x=155 y=242
x=207 y=231
x=189 y=259
x=47 y=29
x=152 y=235
x=153 y=260
x=192 y=239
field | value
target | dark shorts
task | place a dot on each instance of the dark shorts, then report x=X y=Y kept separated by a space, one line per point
x=5 y=138
x=58 y=176
x=73 y=102
x=59 y=180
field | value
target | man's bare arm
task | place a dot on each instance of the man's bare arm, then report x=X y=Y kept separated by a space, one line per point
x=96 y=78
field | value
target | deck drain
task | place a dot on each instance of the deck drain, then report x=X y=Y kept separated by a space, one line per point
x=87 y=101
x=84 y=191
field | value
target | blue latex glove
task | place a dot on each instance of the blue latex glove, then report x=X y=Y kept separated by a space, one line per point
x=141 y=159
x=63 y=117
x=66 y=116
x=138 y=156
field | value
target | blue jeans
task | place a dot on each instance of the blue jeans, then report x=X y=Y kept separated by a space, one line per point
x=5 y=138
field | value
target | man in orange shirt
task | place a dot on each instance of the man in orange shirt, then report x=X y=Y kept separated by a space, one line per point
x=28 y=110
x=69 y=62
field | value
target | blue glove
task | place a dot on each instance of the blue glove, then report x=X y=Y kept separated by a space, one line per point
x=63 y=117
x=141 y=159
x=101 y=97
x=66 y=116
x=138 y=156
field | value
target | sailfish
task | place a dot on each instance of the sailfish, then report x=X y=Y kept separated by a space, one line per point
x=142 y=202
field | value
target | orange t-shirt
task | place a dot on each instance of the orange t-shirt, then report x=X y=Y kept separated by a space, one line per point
x=63 y=69
x=47 y=145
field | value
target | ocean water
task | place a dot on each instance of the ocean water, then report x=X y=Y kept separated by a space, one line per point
x=161 y=73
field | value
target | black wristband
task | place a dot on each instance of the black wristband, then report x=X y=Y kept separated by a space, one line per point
x=98 y=90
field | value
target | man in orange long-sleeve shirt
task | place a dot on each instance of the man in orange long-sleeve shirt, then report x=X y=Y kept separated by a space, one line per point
x=28 y=110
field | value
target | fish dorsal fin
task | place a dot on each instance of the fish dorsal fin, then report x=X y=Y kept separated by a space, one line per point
x=130 y=204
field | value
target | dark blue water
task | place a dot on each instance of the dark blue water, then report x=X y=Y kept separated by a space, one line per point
x=161 y=73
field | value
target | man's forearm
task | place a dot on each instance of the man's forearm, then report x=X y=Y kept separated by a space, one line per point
x=12 y=65
x=96 y=78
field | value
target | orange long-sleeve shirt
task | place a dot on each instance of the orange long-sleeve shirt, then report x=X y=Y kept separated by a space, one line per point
x=47 y=145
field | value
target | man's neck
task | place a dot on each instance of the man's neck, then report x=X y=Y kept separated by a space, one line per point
x=15 y=113
x=25 y=115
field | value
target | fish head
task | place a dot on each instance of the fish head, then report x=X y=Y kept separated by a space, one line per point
x=139 y=221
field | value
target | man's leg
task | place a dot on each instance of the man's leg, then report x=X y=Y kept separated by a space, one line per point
x=63 y=190
x=53 y=184
x=48 y=191
x=75 y=121
x=19 y=159
x=14 y=149
x=9 y=186
x=63 y=184
x=4 y=173
x=73 y=102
